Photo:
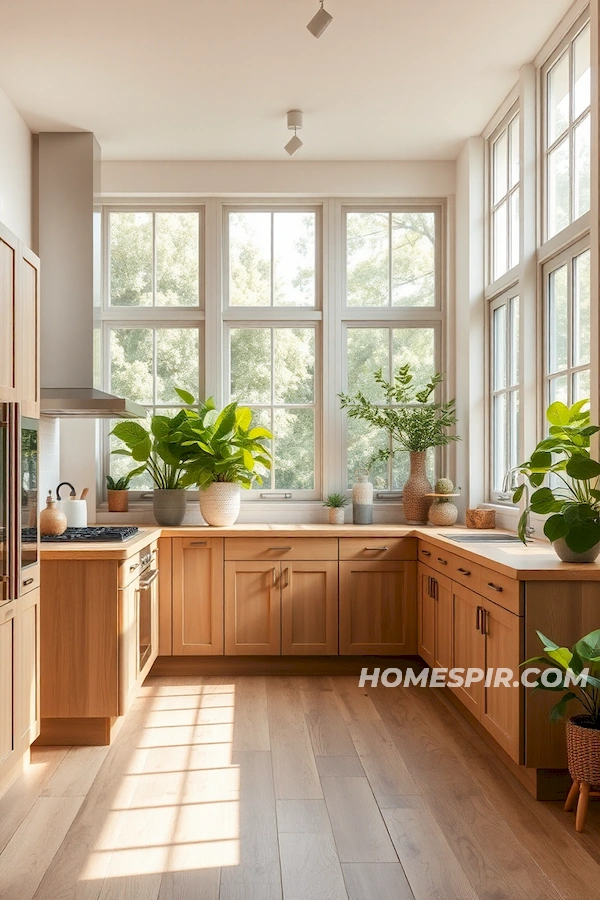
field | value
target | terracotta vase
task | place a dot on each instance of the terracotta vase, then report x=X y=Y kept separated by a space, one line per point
x=415 y=503
x=118 y=501
x=52 y=521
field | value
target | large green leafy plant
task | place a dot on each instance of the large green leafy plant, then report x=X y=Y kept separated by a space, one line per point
x=573 y=497
x=223 y=446
x=585 y=654
x=412 y=418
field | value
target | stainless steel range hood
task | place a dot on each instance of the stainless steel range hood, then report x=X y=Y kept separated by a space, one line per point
x=69 y=248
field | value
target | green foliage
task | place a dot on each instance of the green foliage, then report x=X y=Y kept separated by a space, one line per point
x=585 y=655
x=122 y=483
x=336 y=501
x=412 y=419
x=573 y=500
x=223 y=446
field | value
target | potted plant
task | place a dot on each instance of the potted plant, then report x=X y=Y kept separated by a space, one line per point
x=573 y=497
x=335 y=503
x=117 y=489
x=162 y=452
x=583 y=730
x=224 y=453
x=414 y=422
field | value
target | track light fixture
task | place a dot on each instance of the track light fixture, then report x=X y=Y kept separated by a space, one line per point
x=319 y=22
x=294 y=122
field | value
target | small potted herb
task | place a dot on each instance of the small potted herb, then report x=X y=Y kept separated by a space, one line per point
x=118 y=490
x=335 y=503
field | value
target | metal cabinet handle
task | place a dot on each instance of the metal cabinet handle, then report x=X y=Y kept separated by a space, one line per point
x=435 y=589
x=426 y=552
x=463 y=571
x=495 y=587
x=286 y=575
x=444 y=562
x=274 y=576
x=281 y=549
x=134 y=567
x=28 y=581
x=429 y=580
x=377 y=549
x=146 y=582
x=9 y=612
x=484 y=621
x=478 y=619
x=198 y=543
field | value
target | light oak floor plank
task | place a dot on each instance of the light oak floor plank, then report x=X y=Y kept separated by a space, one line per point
x=328 y=730
x=300 y=816
x=388 y=775
x=251 y=721
x=76 y=773
x=359 y=830
x=376 y=881
x=310 y=867
x=355 y=702
x=340 y=765
x=294 y=768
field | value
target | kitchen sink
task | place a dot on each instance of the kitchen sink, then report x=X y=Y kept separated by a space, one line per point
x=483 y=538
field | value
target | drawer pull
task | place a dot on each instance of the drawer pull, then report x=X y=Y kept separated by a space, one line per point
x=495 y=587
x=286 y=575
x=376 y=549
x=426 y=552
x=197 y=543
x=274 y=577
x=134 y=567
x=463 y=571
x=478 y=619
x=9 y=612
x=281 y=549
x=444 y=562
x=28 y=581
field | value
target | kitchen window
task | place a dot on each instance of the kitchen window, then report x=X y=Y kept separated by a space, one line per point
x=504 y=189
x=504 y=389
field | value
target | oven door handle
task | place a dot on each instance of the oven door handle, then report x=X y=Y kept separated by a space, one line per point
x=146 y=582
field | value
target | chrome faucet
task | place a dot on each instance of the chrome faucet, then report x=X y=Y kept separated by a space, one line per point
x=511 y=483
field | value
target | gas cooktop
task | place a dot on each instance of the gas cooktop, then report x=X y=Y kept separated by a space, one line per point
x=106 y=533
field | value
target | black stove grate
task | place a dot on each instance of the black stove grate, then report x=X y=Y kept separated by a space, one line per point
x=106 y=533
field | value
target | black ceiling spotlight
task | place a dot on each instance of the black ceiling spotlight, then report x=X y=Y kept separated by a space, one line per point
x=319 y=22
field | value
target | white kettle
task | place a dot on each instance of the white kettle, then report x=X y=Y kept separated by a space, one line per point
x=75 y=510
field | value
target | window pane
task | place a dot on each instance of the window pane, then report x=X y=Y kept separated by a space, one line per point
x=363 y=442
x=581 y=71
x=251 y=365
x=514 y=340
x=581 y=188
x=500 y=241
x=294 y=259
x=513 y=430
x=131 y=357
x=250 y=259
x=499 y=348
x=499 y=441
x=294 y=355
x=262 y=417
x=367 y=259
x=557 y=320
x=177 y=258
x=119 y=466
x=558 y=98
x=415 y=346
x=557 y=389
x=514 y=228
x=559 y=202
x=177 y=363
x=413 y=259
x=500 y=166
x=581 y=309
x=368 y=350
x=294 y=432
x=513 y=139
x=130 y=258
x=581 y=386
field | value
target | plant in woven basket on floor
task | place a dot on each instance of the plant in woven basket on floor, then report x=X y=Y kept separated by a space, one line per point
x=581 y=664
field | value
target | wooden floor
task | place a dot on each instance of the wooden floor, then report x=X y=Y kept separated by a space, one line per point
x=287 y=788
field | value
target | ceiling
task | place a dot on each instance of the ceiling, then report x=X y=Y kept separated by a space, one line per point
x=201 y=79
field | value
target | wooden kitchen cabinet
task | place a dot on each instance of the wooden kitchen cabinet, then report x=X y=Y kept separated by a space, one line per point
x=27 y=696
x=434 y=618
x=426 y=614
x=9 y=315
x=468 y=645
x=9 y=744
x=197 y=579
x=309 y=607
x=503 y=705
x=252 y=608
x=377 y=609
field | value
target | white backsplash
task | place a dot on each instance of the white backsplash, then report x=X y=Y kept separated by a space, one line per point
x=49 y=458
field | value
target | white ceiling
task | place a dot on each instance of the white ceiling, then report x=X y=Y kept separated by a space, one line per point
x=213 y=79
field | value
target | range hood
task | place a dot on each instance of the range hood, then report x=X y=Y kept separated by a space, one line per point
x=70 y=302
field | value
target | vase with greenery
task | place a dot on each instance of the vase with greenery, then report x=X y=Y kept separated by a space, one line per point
x=162 y=452
x=335 y=503
x=572 y=498
x=224 y=452
x=415 y=422
x=582 y=664
x=117 y=490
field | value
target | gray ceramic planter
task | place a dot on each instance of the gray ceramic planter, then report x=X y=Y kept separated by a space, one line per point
x=169 y=507
x=568 y=555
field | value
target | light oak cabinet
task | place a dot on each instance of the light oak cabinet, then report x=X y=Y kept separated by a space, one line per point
x=27 y=696
x=197 y=579
x=9 y=315
x=377 y=609
x=434 y=612
x=252 y=608
x=309 y=607
x=468 y=645
x=29 y=333
x=9 y=746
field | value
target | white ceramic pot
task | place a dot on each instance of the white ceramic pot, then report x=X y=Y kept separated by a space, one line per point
x=336 y=515
x=220 y=503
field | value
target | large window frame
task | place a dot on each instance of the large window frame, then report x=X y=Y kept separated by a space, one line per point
x=504 y=384
x=510 y=123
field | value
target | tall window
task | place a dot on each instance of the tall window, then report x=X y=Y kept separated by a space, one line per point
x=392 y=315
x=505 y=379
x=567 y=92
x=272 y=271
x=567 y=326
x=504 y=200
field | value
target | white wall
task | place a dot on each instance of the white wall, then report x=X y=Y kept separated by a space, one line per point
x=15 y=171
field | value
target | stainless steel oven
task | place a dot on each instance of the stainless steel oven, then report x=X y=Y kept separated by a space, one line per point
x=147 y=603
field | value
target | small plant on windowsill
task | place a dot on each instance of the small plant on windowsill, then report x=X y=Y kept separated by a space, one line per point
x=335 y=503
x=118 y=490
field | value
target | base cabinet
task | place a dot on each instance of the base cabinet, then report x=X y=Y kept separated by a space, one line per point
x=252 y=608
x=434 y=611
x=8 y=683
x=309 y=608
x=27 y=710
x=197 y=596
x=377 y=607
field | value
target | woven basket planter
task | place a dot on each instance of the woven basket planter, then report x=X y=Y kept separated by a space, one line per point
x=583 y=751
x=220 y=503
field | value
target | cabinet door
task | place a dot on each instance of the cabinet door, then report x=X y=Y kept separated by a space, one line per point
x=468 y=644
x=197 y=596
x=27 y=694
x=503 y=704
x=8 y=737
x=28 y=334
x=252 y=608
x=9 y=315
x=128 y=646
x=426 y=614
x=309 y=608
x=443 y=622
x=378 y=610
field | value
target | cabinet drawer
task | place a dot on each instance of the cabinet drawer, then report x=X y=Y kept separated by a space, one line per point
x=374 y=548
x=30 y=579
x=465 y=572
x=273 y=548
x=434 y=557
x=502 y=590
